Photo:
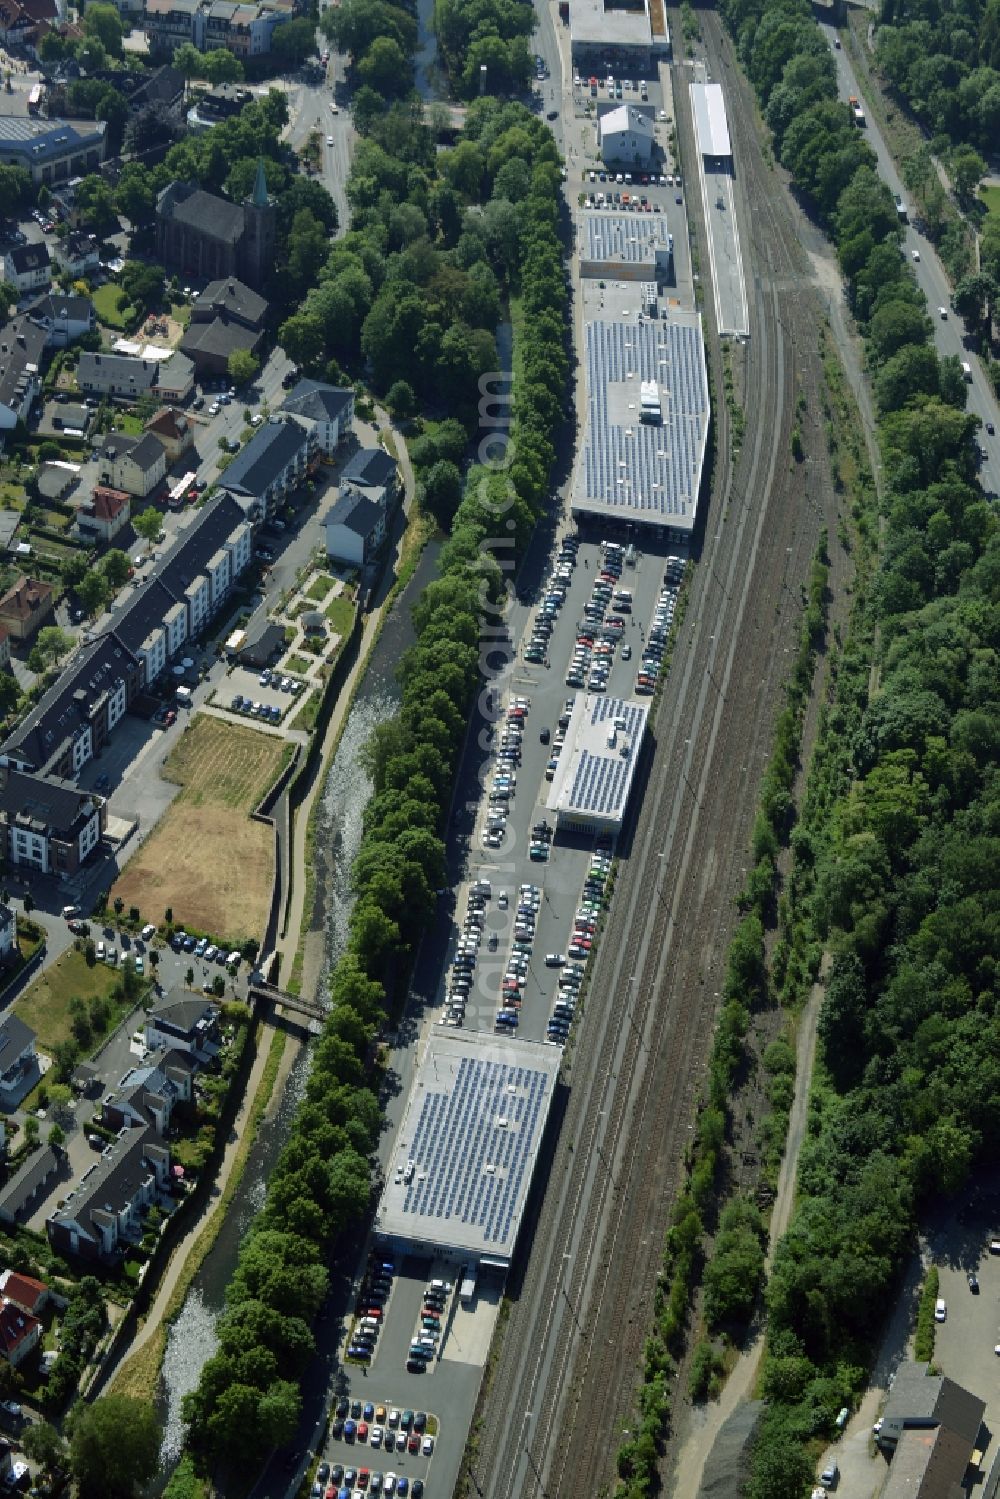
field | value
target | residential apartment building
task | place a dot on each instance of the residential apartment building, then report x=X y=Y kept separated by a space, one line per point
x=243 y=29
x=103 y=1214
x=274 y=462
x=124 y=378
x=325 y=410
x=147 y=1095
x=17 y=1058
x=50 y=823
x=27 y=267
x=173 y=431
x=78 y=253
x=22 y=348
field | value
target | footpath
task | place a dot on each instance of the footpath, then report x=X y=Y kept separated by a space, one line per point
x=287 y=946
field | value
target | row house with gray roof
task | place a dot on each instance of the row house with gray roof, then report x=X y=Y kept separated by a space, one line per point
x=103 y=1214
x=273 y=464
x=75 y=718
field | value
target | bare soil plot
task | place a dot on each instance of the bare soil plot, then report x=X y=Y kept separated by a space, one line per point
x=207 y=861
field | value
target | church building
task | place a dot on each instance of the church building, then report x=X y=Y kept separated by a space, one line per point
x=209 y=238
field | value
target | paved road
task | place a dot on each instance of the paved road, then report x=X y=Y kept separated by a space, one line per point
x=949 y=334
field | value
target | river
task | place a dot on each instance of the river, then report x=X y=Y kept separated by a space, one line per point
x=191 y=1340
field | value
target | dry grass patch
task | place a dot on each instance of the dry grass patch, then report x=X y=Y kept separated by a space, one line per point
x=44 y=1005
x=207 y=861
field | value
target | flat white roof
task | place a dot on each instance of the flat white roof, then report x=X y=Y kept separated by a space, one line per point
x=597 y=766
x=626 y=118
x=710 y=123
x=647 y=472
x=468 y=1143
x=591 y=24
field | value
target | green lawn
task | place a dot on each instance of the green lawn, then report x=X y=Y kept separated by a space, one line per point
x=44 y=1005
x=340 y=613
x=991 y=197
x=298 y=665
x=132 y=425
x=105 y=300
x=319 y=587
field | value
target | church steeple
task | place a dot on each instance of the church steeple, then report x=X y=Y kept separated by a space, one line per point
x=260 y=199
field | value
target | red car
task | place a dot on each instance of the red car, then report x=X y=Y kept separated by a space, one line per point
x=363 y=1473
x=170 y=717
x=362 y=1437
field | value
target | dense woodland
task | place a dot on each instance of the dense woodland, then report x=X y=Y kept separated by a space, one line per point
x=943 y=58
x=438 y=240
x=899 y=880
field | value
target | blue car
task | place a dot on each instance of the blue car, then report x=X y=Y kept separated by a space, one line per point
x=350 y=1431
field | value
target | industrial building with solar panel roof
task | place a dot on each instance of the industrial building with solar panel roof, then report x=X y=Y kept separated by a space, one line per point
x=467 y=1148
x=646 y=432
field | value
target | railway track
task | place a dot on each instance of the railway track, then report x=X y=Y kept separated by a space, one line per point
x=572 y=1348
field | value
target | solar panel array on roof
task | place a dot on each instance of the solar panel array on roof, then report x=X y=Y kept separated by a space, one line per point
x=648 y=472
x=472 y=1146
x=631 y=237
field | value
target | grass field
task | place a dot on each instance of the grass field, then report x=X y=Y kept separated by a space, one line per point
x=991 y=197
x=44 y=1005
x=340 y=613
x=206 y=860
x=105 y=300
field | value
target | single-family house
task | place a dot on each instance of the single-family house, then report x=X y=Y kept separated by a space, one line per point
x=25 y=607
x=25 y=1291
x=326 y=410
x=77 y=253
x=103 y=1213
x=19 y=1333
x=108 y=512
x=27 y=267
x=64 y=318
x=134 y=464
x=355 y=528
x=18 y=1061
x=181 y=1020
x=173 y=430
x=263 y=644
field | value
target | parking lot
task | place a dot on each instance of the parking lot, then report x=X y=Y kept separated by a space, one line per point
x=542 y=892
x=256 y=690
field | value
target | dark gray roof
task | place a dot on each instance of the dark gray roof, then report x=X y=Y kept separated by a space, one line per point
x=355 y=511
x=264 y=640
x=26 y=258
x=64 y=708
x=147 y=453
x=231 y=297
x=214 y=525
x=142 y=613
x=190 y=204
x=113 y=1182
x=369 y=468
x=141 y=373
x=265 y=456
x=56 y=305
x=114 y=444
x=312 y=398
x=15 y=1038
x=218 y=337
x=22 y=344
x=21 y=1187
x=919 y=1398
x=182 y=1009
x=53 y=803
x=161 y=87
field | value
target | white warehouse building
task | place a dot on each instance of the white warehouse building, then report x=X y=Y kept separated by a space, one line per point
x=596 y=772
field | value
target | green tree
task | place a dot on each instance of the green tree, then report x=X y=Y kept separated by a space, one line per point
x=301 y=337
x=443 y=491
x=43 y=1444
x=147 y=524
x=220 y=66
x=15 y=185
x=385 y=67
x=142 y=284
x=94 y=201
x=243 y=366
x=967 y=169
x=115 y=567
x=51 y=644
x=57 y=1136
x=92 y=591
x=31 y=1128
x=115 y=1447
x=293 y=41
x=401 y=400
x=103 y=22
